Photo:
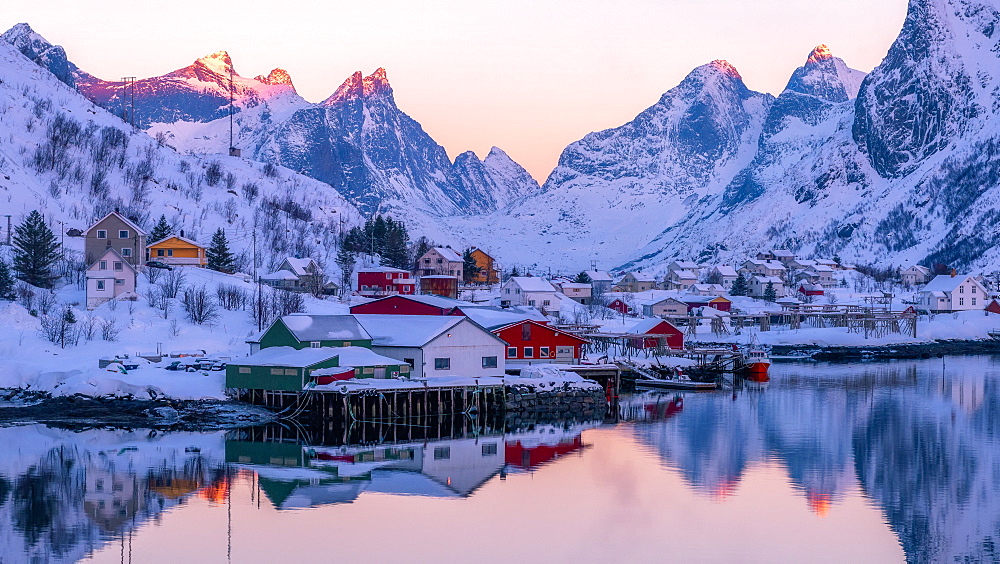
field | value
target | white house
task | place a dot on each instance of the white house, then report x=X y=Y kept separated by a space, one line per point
x=915 y=275
x=685 y=265
x=600 y=280
x=441 y=261
x=953 y=293
x=436 y=345
x=723 y=274
x=529 y=290
x=707 y=289
x=824 y=275
x=758 y=285
x=108 y=278
x=295 y=274
x=763 y=268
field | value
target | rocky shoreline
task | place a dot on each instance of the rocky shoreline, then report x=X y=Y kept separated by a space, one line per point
x=906 y=351
x=19 y=406
x=524 y=404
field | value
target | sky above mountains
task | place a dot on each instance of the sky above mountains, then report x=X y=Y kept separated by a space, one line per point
x=530 y=76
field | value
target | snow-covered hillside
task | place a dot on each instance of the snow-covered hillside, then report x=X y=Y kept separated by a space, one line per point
x=73 y=161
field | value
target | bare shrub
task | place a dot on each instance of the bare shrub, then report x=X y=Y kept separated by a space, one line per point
x=199 y=306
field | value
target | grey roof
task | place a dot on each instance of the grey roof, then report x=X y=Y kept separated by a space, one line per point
x=325 y=327
x=288 y=356
x=449 y=254
x=493 y=317
x=410 y=330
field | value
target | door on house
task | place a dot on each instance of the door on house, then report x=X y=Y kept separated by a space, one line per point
x=380 y=373
x=564 y=355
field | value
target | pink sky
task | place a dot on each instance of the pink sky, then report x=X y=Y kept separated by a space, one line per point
x=529 y=76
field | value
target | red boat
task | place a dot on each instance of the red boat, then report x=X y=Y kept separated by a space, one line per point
x=757 y=362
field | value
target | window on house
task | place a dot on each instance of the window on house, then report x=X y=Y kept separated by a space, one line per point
x=961 y=301
x=315 y=344
x=277 y=372
x=442 y=364
x=404 y=369
x=119 y=281
x=102 y=234
x=489 y=362
x=123 y=234
x=291 y=372
x=546 y=302
x=489 y=449
x=159 y=252
x=543 y=352
x=100 y=284
x=529 y=352
x=442 y=453
x=439 y=261
x=126 y=252
x=104 y=265
x=388 y=276
x=961 y=289
x=409 y=361
x=118 y=265
x=511 y=352
x=973 y=289
x=170 y=252
x=244 y=370
x=427 y=261
x=973 y=301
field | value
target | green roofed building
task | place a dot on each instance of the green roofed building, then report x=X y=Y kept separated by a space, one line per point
x=279 y=368
x=302 y=331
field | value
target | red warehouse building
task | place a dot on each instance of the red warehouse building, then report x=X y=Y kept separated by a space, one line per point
x=411 y=305
x=385 y=281
x=529 y=341
x=654 y=333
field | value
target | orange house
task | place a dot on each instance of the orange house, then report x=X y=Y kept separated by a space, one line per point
x=487 y=268
x=176 y=250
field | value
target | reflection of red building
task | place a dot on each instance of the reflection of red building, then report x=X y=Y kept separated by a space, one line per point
x=660 y=411
x=517 y=454
x=217 y=492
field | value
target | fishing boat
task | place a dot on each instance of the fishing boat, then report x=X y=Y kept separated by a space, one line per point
x=679 y=381
x=757 y=361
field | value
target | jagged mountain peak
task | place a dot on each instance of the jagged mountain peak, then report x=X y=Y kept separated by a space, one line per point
x=276 y=77
x=36 y=48
x=219 y=62
x=358 y=86
x=826 y=76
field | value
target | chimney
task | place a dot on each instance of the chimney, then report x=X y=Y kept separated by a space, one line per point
x=953 y=273
x=182 y=232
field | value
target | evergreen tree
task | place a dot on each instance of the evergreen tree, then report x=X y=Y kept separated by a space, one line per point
x=769 y=294
x=394 y=252
x=36 y=251
x=740 y=286
x=219 y=256
x=514 y=272
x=346 y=261
x=470 y=268
x=6 y=283
x=420 y=249
x=583 y=278
x=160 y=231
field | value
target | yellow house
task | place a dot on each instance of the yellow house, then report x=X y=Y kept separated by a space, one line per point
x=176 y=250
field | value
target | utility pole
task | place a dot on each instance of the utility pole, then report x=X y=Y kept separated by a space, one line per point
x=8 y=229
x=128 y=100
x=259 y=306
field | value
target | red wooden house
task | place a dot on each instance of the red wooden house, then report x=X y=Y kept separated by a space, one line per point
x=529 y=341
x=994 y=307
x=411 y=305
x=620 y=306
x=385 y=281
x=807 y=289
x=654 y=333
x=717 y=302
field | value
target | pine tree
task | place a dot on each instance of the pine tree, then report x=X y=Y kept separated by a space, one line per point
x=470 y=268
x=740 y=286
x=346 y=261
x=160 y=231
x=420 y=248
x=36 y=251
x=583 y=278
x=514 y=272
x=218 y=254
x=769 y=294
x=6 y=283
x=394 y=252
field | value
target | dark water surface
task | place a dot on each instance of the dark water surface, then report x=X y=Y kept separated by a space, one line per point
x=841 y=463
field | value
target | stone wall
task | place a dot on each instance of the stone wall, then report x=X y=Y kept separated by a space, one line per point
x=526 y=404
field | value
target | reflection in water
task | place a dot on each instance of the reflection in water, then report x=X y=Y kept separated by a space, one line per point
x=915 y=440
x=920 y=436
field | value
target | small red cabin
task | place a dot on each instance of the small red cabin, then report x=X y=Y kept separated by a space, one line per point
x=530 y=341
x=620 y=306
x=811 y=290
x=654 y=333
x=994 y=307
x=717 y=302
x=385 y=281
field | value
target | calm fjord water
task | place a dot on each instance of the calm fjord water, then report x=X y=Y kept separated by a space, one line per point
x=868 y=462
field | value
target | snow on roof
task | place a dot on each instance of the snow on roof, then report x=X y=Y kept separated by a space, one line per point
x=726 y=270
x=918 y=268
x=766 y=279
x=599 y=276
x=686 y=264
x=575 y=285
x=432 y=300
x=279 y=275
x=782 y=253
x=288 y=356
x=178 y=237
x=449 y=254
x=640 y=277
x=325 y=327
x=124 y=220
x=361 y=356
x=774 y=265
x=532 y=284
x=821 y=268
x=646 y=325
x=381 y=269
x=945 y=283
x=493 y=317
x=406 y=330
x=684 y=274
x=299 y=265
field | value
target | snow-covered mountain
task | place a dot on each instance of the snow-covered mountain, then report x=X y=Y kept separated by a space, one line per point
x=74 y=161
x=357 y=140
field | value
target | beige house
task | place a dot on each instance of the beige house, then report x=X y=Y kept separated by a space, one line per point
x=109 y=277
x=577 y=291
x=915 y=275
x=441 y=261
x=758 y=285
x=637 y=282
x=116 y=232
x=666 y=307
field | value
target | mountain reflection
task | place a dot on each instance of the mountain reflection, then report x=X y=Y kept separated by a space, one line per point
x=920 y=438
